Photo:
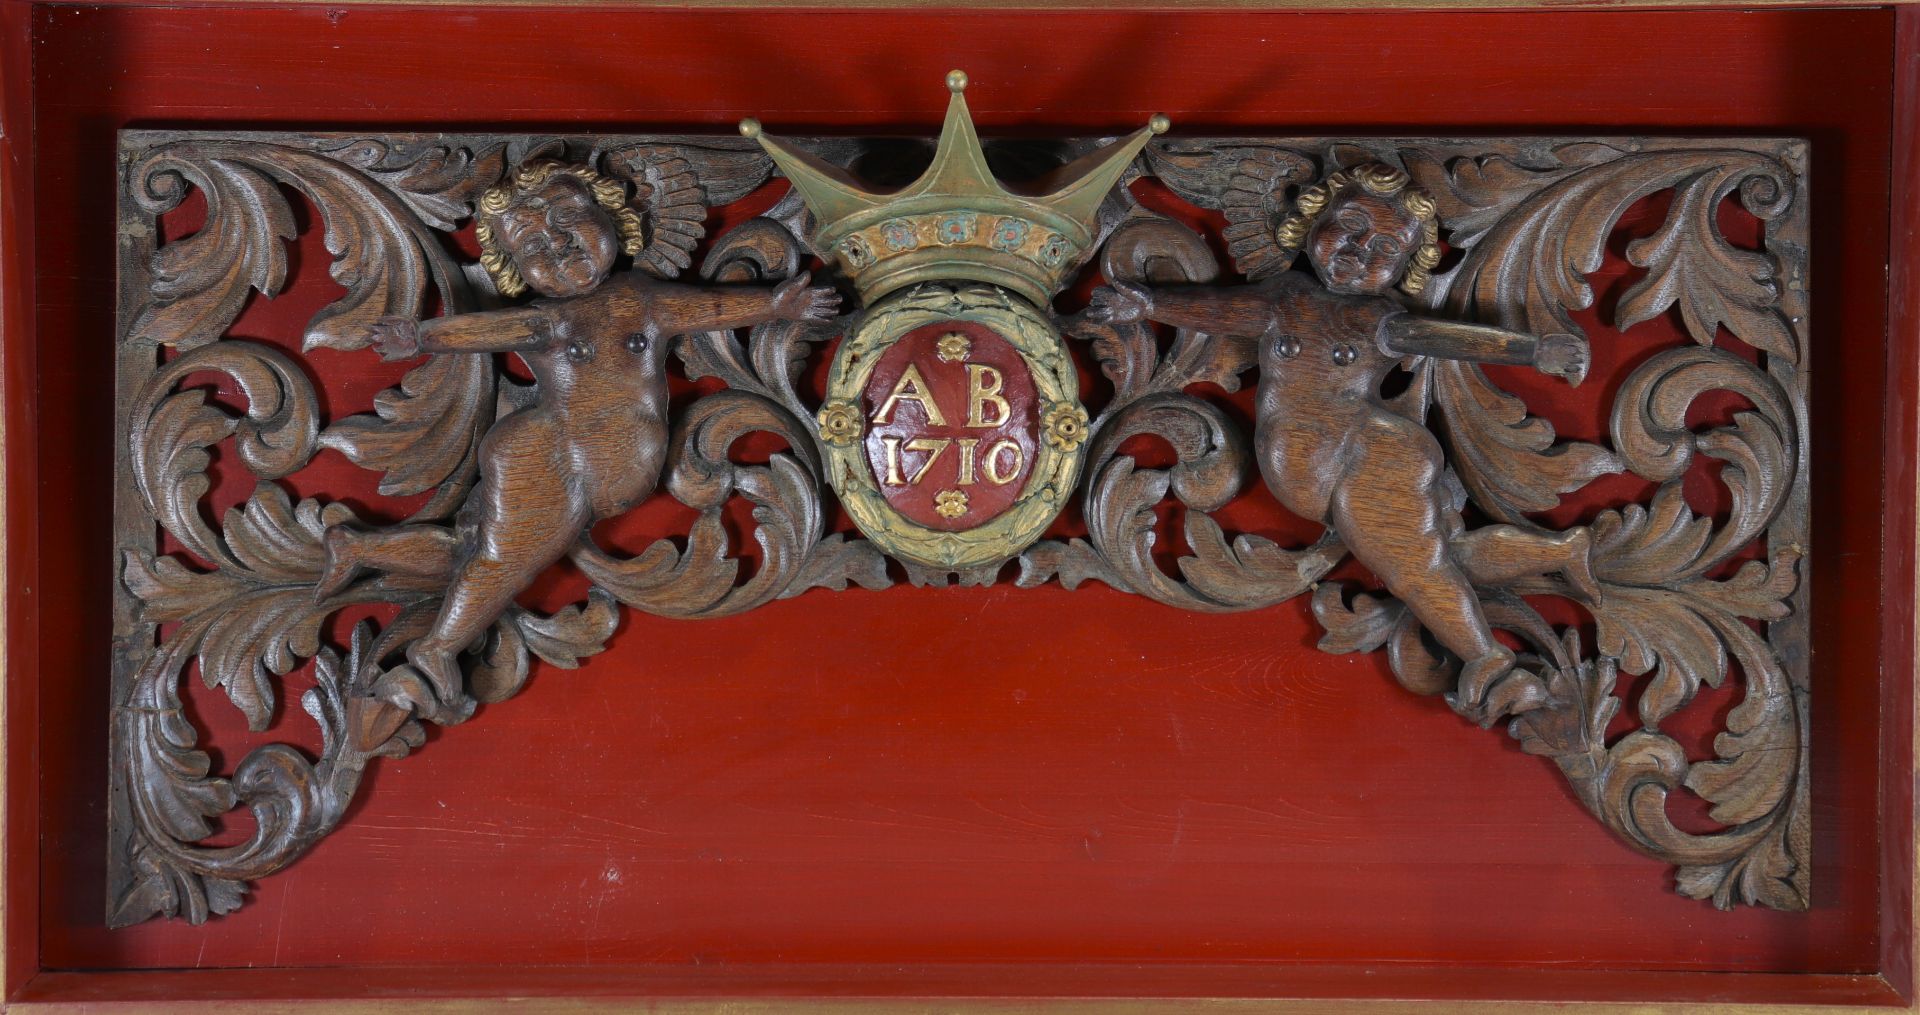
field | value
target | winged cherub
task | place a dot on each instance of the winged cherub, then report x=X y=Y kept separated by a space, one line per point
x=594 y=441
x=1333 y=450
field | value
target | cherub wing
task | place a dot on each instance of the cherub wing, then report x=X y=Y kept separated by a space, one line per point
x=1247 y=184
x=675 y=184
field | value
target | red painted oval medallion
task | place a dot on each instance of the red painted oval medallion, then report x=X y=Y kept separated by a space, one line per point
x=952 y=425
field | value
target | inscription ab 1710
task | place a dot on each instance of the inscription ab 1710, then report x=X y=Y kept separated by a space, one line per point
x=953 y=424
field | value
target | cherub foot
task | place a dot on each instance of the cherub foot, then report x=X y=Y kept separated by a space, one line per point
x=1518 y=692
x=431 y=684
x=405 y=689
x=371 y=722
x=342 y=562
x=1490 y=687
x=1579 y=569
x=1477 y=677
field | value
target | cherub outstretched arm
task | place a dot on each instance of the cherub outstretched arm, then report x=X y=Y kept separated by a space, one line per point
x=1241 y=312
x=517 y=330
x=673 y=308
x=1562 y=356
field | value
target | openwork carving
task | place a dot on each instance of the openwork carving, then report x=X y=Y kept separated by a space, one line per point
x=958 y=431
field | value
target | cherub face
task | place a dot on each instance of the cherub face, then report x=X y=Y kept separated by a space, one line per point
x=560 y=239
x=1362 y=242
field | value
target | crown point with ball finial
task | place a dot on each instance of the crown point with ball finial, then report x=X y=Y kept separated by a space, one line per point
x=957 y=221
x=1159 y=124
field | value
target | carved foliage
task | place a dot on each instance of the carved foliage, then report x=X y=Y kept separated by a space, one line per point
x=1151 y=396
x=796 y=551
x=1531 y=233
x=1530 y=221
x=247 y=621
x=244 y=604
x=1534 y=230
x=1532 y=224
x=243 y=601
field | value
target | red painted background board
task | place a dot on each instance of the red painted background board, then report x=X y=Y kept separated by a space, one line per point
x=1903 y=371
x=988 y=775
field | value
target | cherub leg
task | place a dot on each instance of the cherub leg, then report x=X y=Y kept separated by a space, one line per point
x=1498 y=554
x=417 y=551
x=1388 y=512
x=529 y=515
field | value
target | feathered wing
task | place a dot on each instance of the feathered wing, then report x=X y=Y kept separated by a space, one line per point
x=675 y=184
x=1247 y=184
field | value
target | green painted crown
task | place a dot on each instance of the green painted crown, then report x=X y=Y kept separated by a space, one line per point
x=956 y=222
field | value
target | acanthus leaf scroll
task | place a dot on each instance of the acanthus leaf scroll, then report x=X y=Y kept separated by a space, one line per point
x=1677 y=599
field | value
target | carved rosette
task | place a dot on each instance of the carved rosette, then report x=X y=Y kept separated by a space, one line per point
x=1686 y=598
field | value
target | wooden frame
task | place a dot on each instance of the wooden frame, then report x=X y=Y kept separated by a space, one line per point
x=1892 y=984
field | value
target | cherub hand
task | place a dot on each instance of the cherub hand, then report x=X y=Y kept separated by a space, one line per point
x=1563 y=356
x=1121 y=302
x=395 y=337
x=793 y=301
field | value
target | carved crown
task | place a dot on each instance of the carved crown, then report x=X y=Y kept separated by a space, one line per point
x=957 y=222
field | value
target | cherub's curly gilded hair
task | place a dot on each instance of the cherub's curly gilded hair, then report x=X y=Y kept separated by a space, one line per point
x=608 y=193
x=1381 y=180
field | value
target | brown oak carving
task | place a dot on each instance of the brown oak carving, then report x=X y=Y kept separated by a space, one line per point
x=590 y=445
x=1436 y=488
x=1335 y=452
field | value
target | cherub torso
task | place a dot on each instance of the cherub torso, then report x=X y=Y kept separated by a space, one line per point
x=1316 y=406
x=603 y=395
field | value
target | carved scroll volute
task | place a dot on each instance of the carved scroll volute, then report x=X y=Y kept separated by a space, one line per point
x=1150 y=396
x=254 y=616
x=1530 y=233
x=1529 y=236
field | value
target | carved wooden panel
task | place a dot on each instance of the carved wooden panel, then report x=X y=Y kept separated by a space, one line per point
x=955 y=429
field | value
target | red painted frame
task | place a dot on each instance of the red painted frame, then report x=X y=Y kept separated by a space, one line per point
x=26 y=103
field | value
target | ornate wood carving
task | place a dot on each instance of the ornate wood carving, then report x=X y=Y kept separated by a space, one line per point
x=1436 y=487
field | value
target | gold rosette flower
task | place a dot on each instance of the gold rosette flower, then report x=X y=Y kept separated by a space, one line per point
x=954 y=347
x=840 y=422
x=1066 y=425
x=950 y=503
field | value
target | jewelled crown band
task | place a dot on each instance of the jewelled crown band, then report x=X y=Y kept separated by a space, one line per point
x=956 y=221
